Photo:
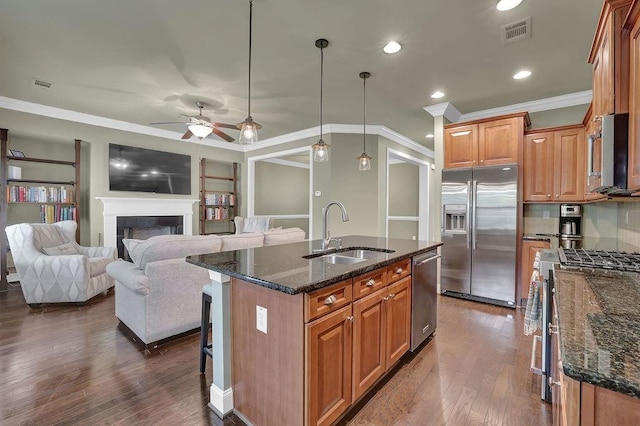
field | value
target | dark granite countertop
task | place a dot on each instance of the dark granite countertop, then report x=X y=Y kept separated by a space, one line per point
x=283 y=268
x=599 y=323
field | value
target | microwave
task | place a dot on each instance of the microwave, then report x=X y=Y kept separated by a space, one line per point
x=610 y=175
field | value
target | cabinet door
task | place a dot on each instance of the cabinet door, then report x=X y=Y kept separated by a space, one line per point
x=569 y=183
x=398 y=320
x=328 y=360
x=634 y=109
x=461 y=146
x=538 y=168
x=498 y=142
x=368 y=337
x=529 y=251
x=602 y=82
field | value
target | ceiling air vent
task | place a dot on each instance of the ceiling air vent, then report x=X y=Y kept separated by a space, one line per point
x=41 y=83
x=516 y=31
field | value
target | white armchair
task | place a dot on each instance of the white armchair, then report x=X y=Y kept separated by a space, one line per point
x=53 y=268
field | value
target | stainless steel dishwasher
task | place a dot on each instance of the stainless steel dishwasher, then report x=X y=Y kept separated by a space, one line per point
x=424 y=303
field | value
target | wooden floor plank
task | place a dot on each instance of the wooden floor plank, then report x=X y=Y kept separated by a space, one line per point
x=66 y=364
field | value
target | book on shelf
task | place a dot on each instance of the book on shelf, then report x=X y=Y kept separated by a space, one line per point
x=39 y=194
x=52 y=213
x=217 y=213
x=220 y=199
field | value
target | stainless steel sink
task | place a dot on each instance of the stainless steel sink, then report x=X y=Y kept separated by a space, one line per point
x=349 y=255
x=339 y=259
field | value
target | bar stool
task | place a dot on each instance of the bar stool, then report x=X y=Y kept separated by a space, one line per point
x=205 y=326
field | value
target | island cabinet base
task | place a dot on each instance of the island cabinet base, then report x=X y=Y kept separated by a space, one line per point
x=267 y=368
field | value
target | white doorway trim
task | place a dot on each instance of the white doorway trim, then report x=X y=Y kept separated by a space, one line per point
x=274 y=158
x=423 y=193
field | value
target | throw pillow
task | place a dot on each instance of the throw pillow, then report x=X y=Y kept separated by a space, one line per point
x=61 y=250
x=256 y=224
x=131 y=244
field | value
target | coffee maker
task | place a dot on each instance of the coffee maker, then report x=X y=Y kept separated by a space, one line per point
x=570 y=226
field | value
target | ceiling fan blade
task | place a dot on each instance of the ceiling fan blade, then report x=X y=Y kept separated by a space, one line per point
x=225 y=126
x=223 y=135
x=187 y=135
x=168 y=122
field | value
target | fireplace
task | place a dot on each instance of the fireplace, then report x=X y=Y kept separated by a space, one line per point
x=144 y=217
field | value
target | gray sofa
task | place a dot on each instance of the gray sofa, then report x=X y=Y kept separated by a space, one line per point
x=159 y=294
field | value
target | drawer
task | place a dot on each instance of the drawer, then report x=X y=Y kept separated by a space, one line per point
x=328 y=299
x=398 y=270
x=364 y=285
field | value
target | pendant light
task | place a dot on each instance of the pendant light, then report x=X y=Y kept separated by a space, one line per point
x=249 y=128
x=321 y=148
x=364 y=160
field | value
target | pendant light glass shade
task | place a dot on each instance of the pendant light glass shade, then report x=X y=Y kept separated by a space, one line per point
x=249 y=128
x=321 y=148
x=364 y=160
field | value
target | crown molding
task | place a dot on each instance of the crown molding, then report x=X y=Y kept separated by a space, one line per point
x=446 y=109
x=546 y=104
x=332 y=128
x=109 y=123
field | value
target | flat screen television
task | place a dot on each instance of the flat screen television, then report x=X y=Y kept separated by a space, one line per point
x=148 y=170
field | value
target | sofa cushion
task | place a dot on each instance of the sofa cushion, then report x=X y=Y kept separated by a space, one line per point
x=163 y=247
x=98 y=265
x=241 y=241
x=127 y=274
x=282 y=236
x=61 y=250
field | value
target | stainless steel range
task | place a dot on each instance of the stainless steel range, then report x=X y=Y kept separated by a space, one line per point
x=572 y=259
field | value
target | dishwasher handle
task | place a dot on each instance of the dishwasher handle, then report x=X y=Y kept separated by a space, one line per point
x=429 y=259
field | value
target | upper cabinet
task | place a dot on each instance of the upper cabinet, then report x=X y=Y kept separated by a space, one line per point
x=610 y=59
x=633 y=28
x=554 y=165
x=486 y=142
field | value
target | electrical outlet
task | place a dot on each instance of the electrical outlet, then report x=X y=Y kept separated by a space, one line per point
x=318 y=193
x=261 y=319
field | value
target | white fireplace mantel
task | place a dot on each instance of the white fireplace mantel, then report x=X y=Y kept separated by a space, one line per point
x=115 y=207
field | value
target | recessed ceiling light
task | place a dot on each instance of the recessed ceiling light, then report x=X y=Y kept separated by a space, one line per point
x=392 y=47
x=429 y=136
x=522 y=74
x=507 y=4
x=437 y=95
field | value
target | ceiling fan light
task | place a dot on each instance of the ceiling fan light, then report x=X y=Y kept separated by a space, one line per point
x=504 y=5
x=364 y=162
x=200 y=131
x=320 y=151
x=249 y=132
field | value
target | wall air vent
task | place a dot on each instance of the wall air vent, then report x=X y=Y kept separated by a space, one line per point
x=516 y=31
x=41 y=83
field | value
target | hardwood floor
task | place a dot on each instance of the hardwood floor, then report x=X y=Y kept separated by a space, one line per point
x=68 y=364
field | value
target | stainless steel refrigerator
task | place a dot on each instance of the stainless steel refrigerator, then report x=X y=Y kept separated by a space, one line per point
x=479 y=223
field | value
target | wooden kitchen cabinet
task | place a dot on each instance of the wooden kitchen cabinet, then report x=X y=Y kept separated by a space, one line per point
x=328 y=364
x=633 y=27
x=529 y=250
x=554 y=165
x=486 y=142
x=382 y=333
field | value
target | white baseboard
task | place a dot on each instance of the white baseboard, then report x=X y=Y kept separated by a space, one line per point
x=220 y=401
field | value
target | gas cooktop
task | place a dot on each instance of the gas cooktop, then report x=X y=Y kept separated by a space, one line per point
x=600 y=259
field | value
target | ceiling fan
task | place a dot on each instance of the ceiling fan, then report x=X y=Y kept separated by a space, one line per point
x=201 y=126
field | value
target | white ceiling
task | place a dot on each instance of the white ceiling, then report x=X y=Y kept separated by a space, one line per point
x=144 y=61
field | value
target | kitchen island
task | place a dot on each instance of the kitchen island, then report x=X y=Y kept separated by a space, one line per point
x=596 y=354
x=311 y=332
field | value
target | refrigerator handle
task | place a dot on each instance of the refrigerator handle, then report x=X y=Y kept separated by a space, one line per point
x=468 y=216
x=474 y=199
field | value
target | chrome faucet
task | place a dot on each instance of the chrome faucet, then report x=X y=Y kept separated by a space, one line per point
x=326 y=236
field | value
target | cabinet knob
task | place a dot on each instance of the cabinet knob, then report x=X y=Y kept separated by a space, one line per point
x=371 y=282
x=553 y=329
x=399 y=271
x=482 y=161
x=350 y=318
x=548 y=195
x=330 y=300
x=557 y=195
x=392 y=295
